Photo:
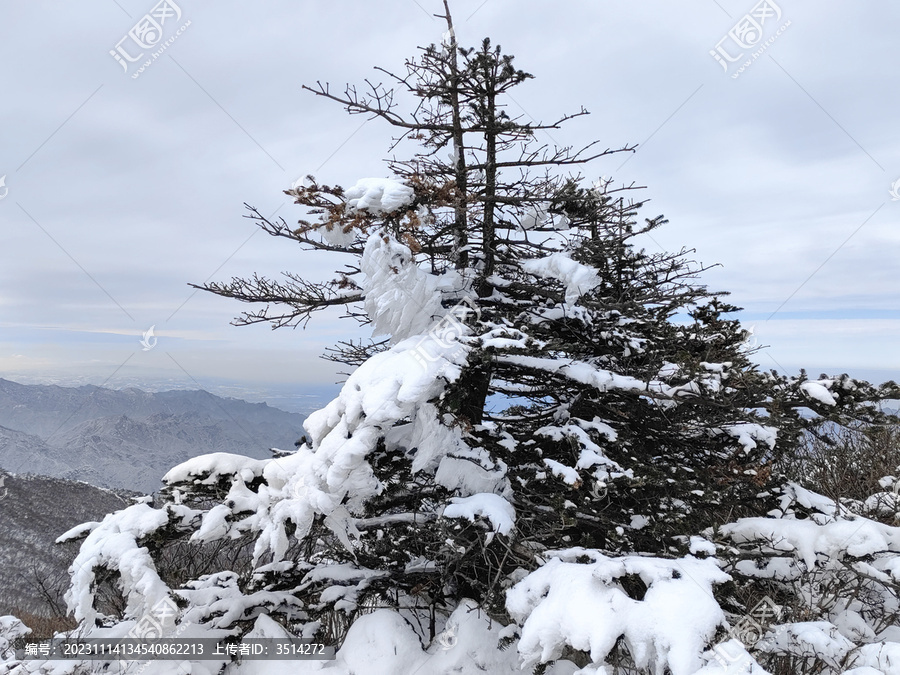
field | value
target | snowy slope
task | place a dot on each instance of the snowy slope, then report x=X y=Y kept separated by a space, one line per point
x=33 y=512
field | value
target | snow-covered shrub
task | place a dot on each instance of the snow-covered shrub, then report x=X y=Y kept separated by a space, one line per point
x=11 y=629
x=855 y=465
x=824 y=579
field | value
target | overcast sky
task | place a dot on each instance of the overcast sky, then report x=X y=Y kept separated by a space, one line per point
x=123 y=185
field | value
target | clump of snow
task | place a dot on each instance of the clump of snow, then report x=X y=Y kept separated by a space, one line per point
x=638 y=522
x=349 y=583
x=668 y=370
x=748 y=433
x=211 y=467
x=793 y=492
x=586 y=373
x=537 y=216
x=808 y=539
x=730 y=658
x=306 y=181
x=585 y=606
x=702 y=545
x=215 y=524
x=339 y=236
x=577 y=278
x=263 y=627
x=882 y=657
x=819 y=391
x=882 y=503
x=432 y=439
x=384 y=643
x=114 y=544
x=378 y=196
x=591 y=454
x=533 y=217
x=79 y=531
x=463 y=469
x=503 y=337
x=494 y=508
x=378 y=643
x=567 y=473
x=401 y=299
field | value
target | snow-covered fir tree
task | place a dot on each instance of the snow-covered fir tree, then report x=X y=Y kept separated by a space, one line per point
x=555 y=454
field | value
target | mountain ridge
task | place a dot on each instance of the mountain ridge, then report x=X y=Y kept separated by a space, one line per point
x=129 y=438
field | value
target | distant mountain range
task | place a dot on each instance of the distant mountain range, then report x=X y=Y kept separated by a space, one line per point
x=92 y=445
x=129 y=438
x=34 y=511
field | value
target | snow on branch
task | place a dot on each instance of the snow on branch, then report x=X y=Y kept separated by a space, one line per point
x=585 y=373
x=819 y=391
x=577 y=278
x=588 y=607
x=494 y=508
x=857 y=538
x=378 y=196
x=590 y=454
x=400 y=298
x=114 y=544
